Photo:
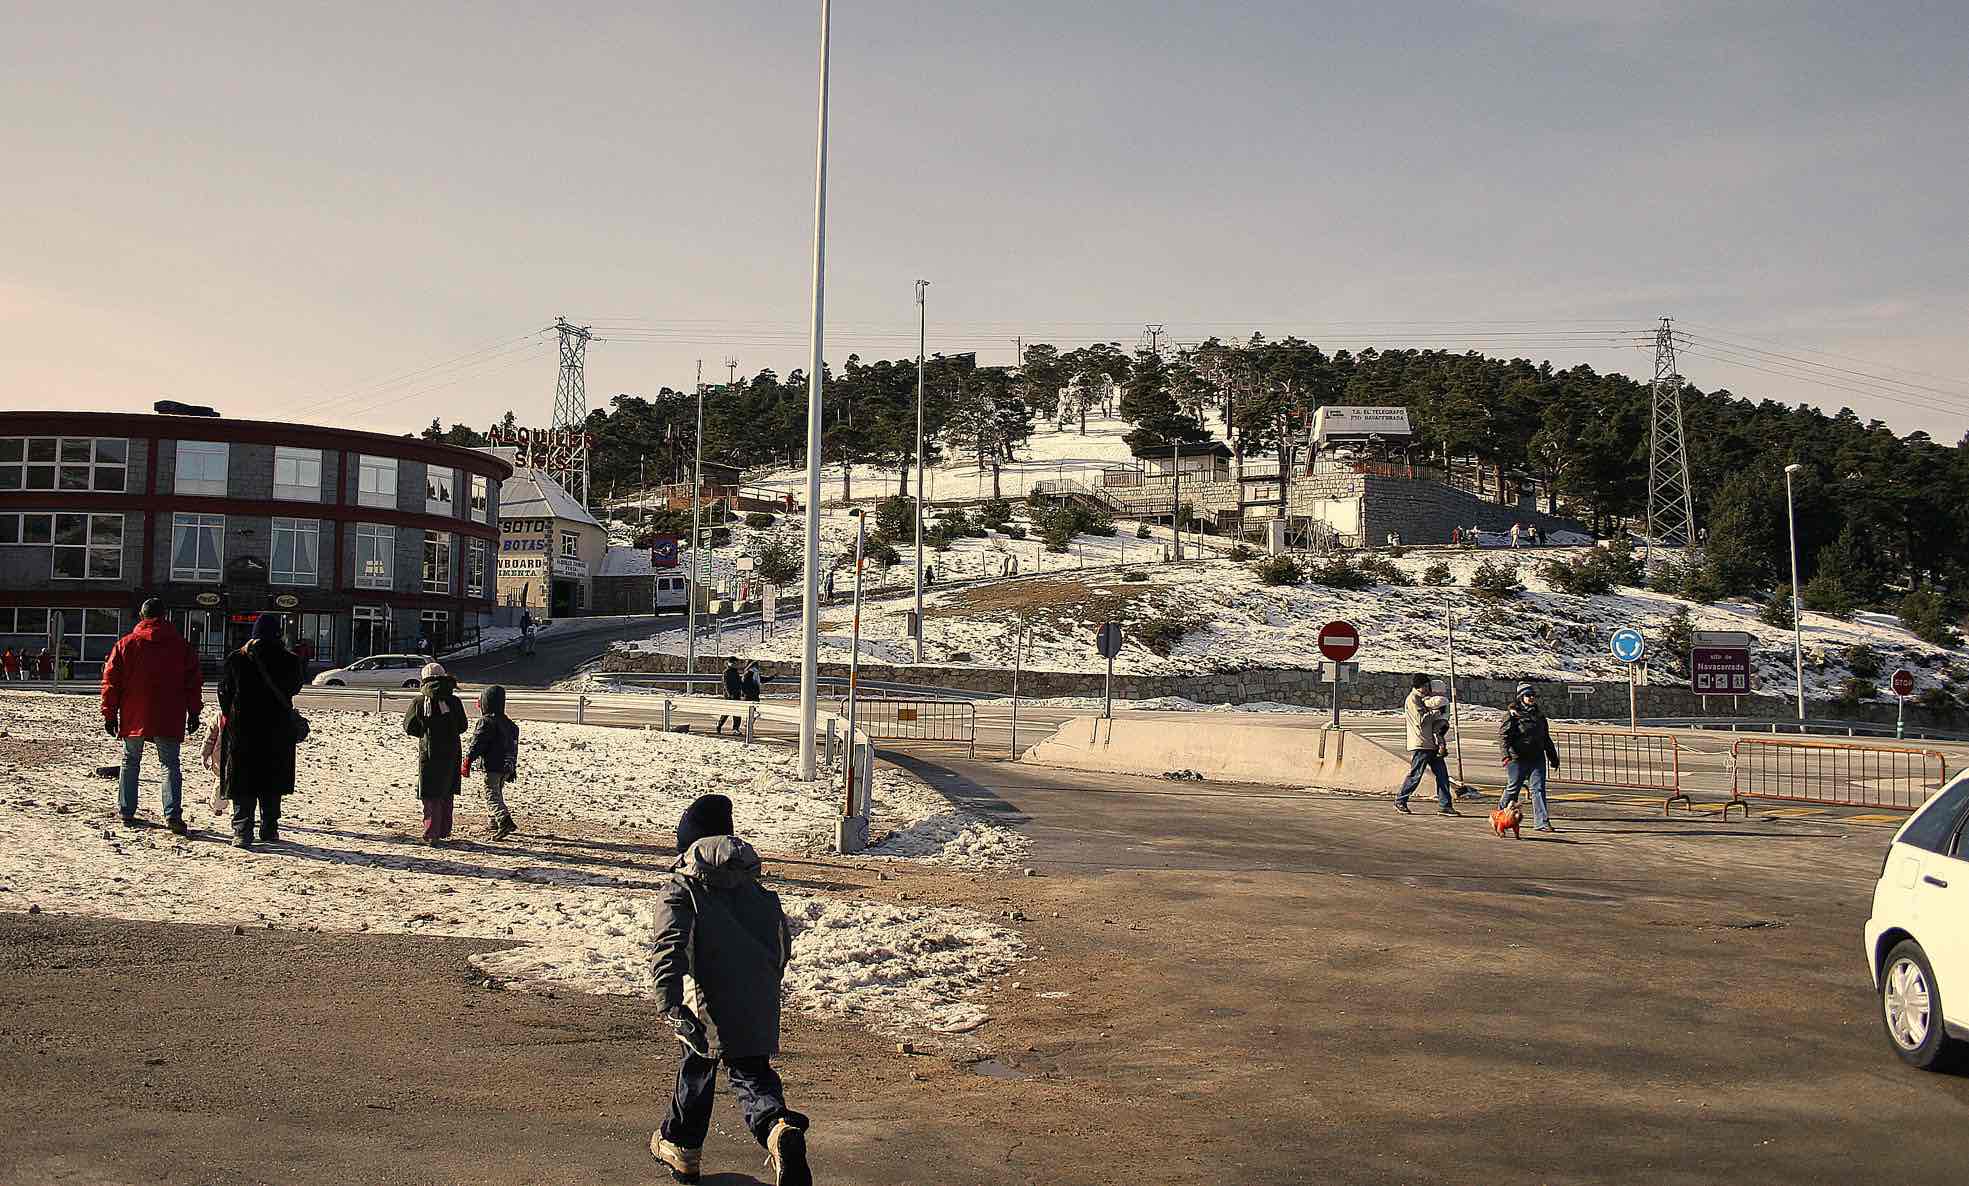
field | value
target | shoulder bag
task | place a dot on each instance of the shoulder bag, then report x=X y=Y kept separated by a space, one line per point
x=297 y=725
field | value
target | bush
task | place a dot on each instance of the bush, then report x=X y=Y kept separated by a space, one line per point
x=1495 y=581
x=895 y=519
x=1777 y=610
x=1863 y=662
x=1853 y=693
x=1669 y=577
x=1936 y=698
x=1825 y=593
x=1623 y=567
x=1926 y=614
x=1278 y=570
x=1142 y=531
x=1385 y=572
x=1586 y=576
x=1134 y=577
x=1338 y=574
x=758 y=520
x=1160 y=635
x=1701 y=584
x=776 y=560
x=880 y=551
x=1239 y=552
x=1677 y=637
x=1015 y=531
x=995 y=514
x=954 y=523
x=1438 y=574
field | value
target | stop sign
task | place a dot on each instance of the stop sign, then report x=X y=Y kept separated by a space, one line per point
x=1339 y=640
x=1903 y=682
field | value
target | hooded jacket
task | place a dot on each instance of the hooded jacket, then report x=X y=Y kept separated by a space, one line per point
x=437 y=719
x=1524 y=735
x=151 y=681
x=496 y=738
x=722 y=945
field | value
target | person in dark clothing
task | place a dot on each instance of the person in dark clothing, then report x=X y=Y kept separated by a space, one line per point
x=496 y=746
x=1525 y=738
x=256 y=754
x=722 y=946
x=734 y=690
x=437 y=720
x=753 y=684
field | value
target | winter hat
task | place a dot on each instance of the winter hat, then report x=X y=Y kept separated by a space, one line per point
x=492 y=701
x=151 y=608
x=1526 y=690
x=266 y=628
x=709 y=815
x=433 y=671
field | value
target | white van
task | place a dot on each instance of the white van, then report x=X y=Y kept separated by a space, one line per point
x=672 y=593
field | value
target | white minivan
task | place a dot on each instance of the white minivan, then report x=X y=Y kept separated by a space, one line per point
x=671 y=592
x=1917 y=942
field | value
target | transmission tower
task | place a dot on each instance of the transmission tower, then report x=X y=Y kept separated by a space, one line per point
x=1671 y=511
x=567 y=452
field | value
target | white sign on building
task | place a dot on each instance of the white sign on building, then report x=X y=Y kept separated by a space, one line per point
x=1337 y=422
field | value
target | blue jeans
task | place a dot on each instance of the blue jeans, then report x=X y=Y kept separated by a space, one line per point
x=133 y=760
x=1531 y=774
x=1418 y=761
x=760 y=1097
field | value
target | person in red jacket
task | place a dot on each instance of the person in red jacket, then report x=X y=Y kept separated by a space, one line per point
x=152 y=691
x=10 y=665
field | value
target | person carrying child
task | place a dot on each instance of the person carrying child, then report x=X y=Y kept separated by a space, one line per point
x=437 y=720
x=496 y=747
x=721 y=949
x=1427 y=733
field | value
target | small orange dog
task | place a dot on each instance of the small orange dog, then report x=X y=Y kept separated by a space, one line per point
x=1507 y=819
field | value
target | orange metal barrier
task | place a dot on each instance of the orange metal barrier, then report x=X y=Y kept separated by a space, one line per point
x=1801 y=771
x=1625 y=761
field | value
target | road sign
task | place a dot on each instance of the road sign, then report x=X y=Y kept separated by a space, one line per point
x=1108 y=640
x=663 y=552
x=1719 y=670
x=1339 y=640
x=1627 y=645
x=1722 y=638
x=1903 y=682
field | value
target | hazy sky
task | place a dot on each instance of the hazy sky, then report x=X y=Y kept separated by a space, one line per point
x=293 y=211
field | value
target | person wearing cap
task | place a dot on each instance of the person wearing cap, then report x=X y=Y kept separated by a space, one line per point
x=256 y=753
x=1525 y=739
x=721 y=949
x=152 y=691
x=437 y=720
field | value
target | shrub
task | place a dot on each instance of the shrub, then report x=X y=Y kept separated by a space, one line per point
x=1397 y=552
x=776 y=560
x=1777 y=610
x=895 y=519
x=1496 y=581
x=1142 y=531
x=1385 y=572
x=758 y=520
x=1338 y=574
x=995 y=514
x=1585 y=576
x=880 y=551
x=1438 y=574
x=1669 y=577
x=1853 y=693
x=1863 y=662
x=1015 y=531
x=1278 y=570
x=1701 y=584
x=1239 y=552
x=1936 y=698
x=1134 y=577
x=1926 y=614
x=1825 y=593
x=1160 y=635
x=1677 y=637
x=1622 y=565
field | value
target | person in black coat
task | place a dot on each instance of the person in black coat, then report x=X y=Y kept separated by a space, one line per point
x=734 y=690
x=256 y=753
x=1524 y=739
x=437 y=720
x=721 y=949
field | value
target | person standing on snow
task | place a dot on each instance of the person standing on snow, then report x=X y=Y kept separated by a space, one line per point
x=496 y=746
x=1427 y=726
x=152 y=691
x=1525 y=737
x=734 y=690
x=753 y=684
x=256 y=755
x=437 y=720
x=721 y=949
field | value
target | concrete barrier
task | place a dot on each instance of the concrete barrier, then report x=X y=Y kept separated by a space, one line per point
x=1224 y=747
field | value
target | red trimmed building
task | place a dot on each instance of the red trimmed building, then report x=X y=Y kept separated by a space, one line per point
x=364 y=541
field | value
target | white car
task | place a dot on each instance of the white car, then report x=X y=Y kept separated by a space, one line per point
x=377 y=671
x=1917 y=942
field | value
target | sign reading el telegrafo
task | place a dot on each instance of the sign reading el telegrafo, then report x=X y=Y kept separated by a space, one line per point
x=1336 y=420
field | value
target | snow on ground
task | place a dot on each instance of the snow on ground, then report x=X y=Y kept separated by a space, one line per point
x=1231 y=621
x=350 y=862
x=495 y=638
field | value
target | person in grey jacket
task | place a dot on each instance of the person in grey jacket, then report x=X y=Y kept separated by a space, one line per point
x=721 y=949
x=1525 y=739
x=496 y=748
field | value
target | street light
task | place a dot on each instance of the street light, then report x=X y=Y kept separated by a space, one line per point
x=1797 y=609
x=922 y=335
x=810 y=602
x=697 y=540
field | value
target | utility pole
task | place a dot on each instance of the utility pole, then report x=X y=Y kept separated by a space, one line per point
x=810 y=605
x=697 y=567
x=922 y=340
x=567 y=453
x=1671 y=510
x=1176 y=499
x=1153 y=332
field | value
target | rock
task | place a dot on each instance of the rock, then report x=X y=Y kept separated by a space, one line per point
x=238 y=930
x=34 y=909
x=153 y=1062
x=919 y=1076
x=1032 y=873
x=61 y=809
x=905 y=1047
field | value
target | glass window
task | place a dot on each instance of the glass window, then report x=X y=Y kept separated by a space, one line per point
x=481 y=503
x=295 y=544
x=376 y=552
x=475 y=569
x=88 y=547
x=436 y=626
x=63 y=463
x=297 y=474
x=1935 y=825
x=37 y=528
x=437 y=562
x=198 y=545
x=10 y=529
x=201 y=468
x=369 y=631
x=376 y=481
x=570 y=543
x=437 y=490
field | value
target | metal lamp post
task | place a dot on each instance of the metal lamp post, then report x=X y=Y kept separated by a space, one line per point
x=922 y=337
x=1797 y=609
x=697 y=539
x=854 y=655
x=810 y=603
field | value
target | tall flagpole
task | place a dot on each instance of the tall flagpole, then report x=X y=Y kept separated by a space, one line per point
x=810 y=603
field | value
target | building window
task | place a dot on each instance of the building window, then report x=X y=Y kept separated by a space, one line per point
x=198 y=546
x=369 y=631
x=88 y=547
x=297 y=474
x=570 y=544
x=437 y=562
x=481 y=504
x=294 y=552
x=435 y=625
x=201 y=468
x=475 y=569
x=437 y=490
x=63 y=463
x=376 y=553
x=318 y=631
x=376 y=484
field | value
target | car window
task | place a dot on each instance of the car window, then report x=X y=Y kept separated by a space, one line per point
x=362 y=665
x=1934 y=829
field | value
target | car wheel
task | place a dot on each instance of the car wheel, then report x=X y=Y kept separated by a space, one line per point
x=334 y=683
x=1911 y=1007
x=410 y=683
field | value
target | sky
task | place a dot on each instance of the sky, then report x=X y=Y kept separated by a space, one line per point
x=367 y=215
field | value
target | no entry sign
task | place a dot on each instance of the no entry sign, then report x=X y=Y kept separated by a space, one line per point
x=1903 y=682
x=1339 y=640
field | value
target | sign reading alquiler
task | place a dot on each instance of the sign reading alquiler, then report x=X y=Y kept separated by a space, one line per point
x=1345 y=421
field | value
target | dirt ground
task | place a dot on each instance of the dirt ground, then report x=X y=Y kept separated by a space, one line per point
x=1226 y=985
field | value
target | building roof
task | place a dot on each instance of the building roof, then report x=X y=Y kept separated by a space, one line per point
x=624 y=561
x=1188 y=449
x=531 y=494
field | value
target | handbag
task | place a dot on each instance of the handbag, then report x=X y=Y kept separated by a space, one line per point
x=297 y=725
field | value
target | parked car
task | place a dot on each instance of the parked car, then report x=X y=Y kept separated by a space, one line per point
x=377 y=671
x=1917 y=941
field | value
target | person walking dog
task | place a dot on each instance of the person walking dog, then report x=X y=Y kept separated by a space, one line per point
x=437 y=720
x=721 y=950
x=1525 y=738
x=151 y=694
x=1427 y=728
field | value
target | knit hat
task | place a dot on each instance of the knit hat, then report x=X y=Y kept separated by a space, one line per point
x=709 y=815
x=1526 y=690
x=266 y=628
x=432 y=671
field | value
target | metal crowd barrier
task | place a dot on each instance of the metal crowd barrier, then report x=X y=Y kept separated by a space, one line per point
x=951 y=721
x=1624 y=761
x=1829 y=773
